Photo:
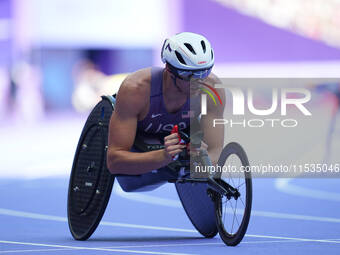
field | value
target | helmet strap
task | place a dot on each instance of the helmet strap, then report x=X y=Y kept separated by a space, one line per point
x=174 y=76
x=174 y=79
x=173 y=71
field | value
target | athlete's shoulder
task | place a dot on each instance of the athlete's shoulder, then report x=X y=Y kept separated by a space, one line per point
x=138 y=81
x=135 y=90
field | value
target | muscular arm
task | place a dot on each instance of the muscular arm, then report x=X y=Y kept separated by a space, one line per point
x=214 y=136
x=131 y=99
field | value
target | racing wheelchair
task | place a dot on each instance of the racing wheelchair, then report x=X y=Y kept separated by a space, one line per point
x=215 y=203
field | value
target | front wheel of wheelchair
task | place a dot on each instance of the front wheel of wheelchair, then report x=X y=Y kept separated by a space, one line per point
x=232 y=211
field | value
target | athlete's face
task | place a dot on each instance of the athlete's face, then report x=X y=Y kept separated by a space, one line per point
x=186 y=85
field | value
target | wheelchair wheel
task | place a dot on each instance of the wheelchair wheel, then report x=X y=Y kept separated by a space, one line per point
x=233 y=212
x=90 y=183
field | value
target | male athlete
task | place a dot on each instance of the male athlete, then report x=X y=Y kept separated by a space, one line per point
x=152 y=101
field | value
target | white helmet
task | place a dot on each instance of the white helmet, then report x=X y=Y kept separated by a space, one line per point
x=188 y=51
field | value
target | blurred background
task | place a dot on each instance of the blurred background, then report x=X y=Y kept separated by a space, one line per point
x=58 y=56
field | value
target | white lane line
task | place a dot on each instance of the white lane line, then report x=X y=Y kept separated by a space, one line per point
x=273 y=241
x=154 y=245
x=285 y=185
x=64 y=219
x=287 y=216
x=140 y=197
x=197 y=244
x=164 y=245
x=290 y=216
x=157 y=245
x=36 y=216
x=125 y=225
x=276 y=215
x=36 y=250
x=117 y=248
x=95 y=249
x=139 y=226
x=295 y=238
x=39 y=216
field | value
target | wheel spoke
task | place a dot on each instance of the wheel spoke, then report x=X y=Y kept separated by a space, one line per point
x=240 y=185
x=224 y=213
x=232 y=179
x=234 y=216
x=242 y=202
x=232 y=227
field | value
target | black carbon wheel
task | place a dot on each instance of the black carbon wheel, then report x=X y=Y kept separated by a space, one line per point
x=233 y=214
x=90 y=183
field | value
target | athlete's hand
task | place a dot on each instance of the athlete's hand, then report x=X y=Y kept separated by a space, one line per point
x=172 y=146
